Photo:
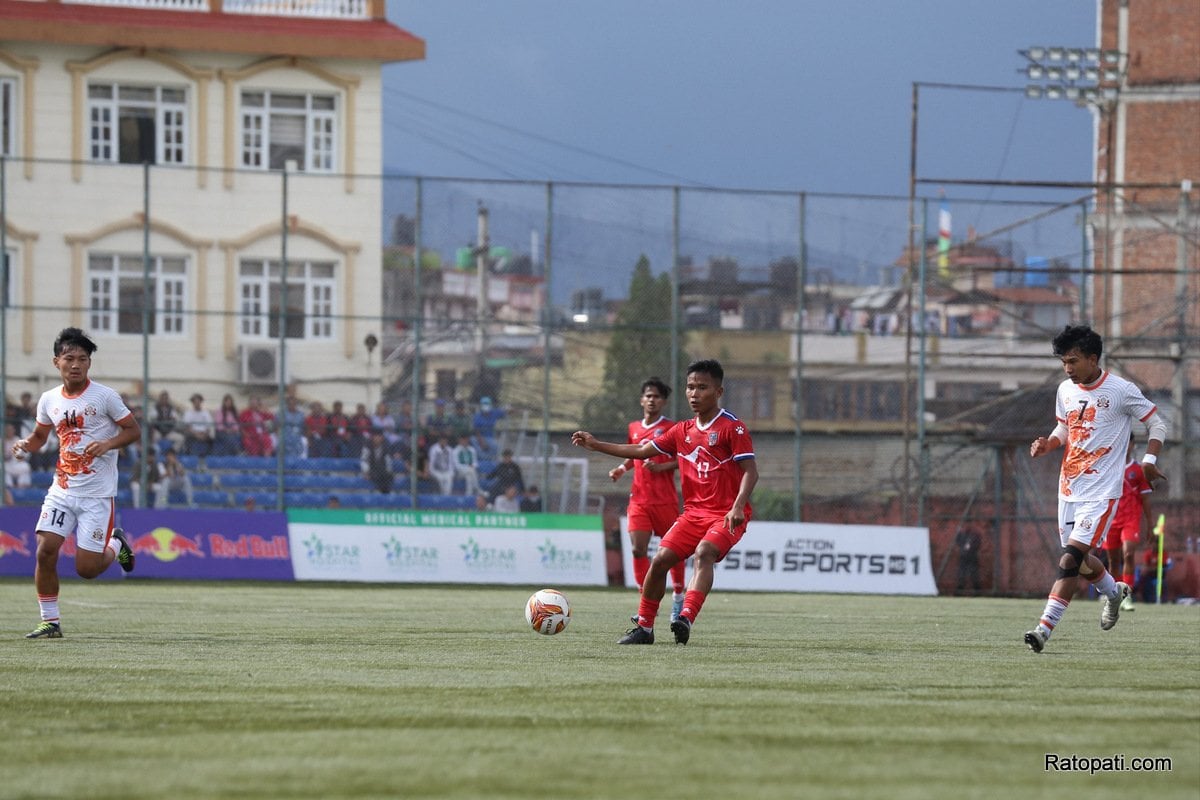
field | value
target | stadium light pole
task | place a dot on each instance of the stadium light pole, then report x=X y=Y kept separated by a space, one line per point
x=1087 y=76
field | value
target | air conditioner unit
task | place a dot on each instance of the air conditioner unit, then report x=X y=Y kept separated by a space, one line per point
x=259 y=364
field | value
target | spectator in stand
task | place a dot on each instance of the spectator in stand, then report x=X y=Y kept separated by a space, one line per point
x=294 y=443
x=460 y=421
x=165 y=423
x=377 y=465
x=360 y=428
x=484 y=423
x=385 y=423
x=441 y=463
x=504 y=474
x=338 y=426
x=531 y=500
x=437 y=424
x=153 y=478
x=173 y=478
x=199 y=429
x=17 y=472
x=405 y=428
x=316 y=428
x=257 y=424
x=509 y=502
x=228 y=423
x=466 y=463
x=24 y=415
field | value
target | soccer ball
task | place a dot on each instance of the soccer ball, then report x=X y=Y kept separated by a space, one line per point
x=547 y=611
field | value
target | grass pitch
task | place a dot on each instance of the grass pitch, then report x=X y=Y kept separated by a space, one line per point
x=241 y=690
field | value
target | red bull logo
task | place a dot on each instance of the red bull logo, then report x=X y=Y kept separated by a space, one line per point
x=13 y=544
x=165 y=544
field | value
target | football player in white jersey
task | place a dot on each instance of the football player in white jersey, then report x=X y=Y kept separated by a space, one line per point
x=1095 y=411
x=93 y=424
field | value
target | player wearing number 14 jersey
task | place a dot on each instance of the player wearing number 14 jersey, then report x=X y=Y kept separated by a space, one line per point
x=1095 y=411
x=718 y=474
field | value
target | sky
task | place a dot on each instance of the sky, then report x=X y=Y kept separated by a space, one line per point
x=768 y=94
x=781 y=95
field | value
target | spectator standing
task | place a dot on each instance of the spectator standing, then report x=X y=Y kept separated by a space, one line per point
x=376 y=463
x=405 y=429
x=385 y=423
x=228 y=424
x=484 y=423
x=437 y=424
x=338 y=427
x=165 y=423
x=968 y=542
x=316 y=428
x=460 y=421
x=466 y=463
x=173 y=478
x=509 y=502
x=441 y=463
x=294 y=443
x=504 y=474
x=257 y=423
x=199 y=428
x=153 y=478
x=24 y=414
x=360 y=428
x=531 y=500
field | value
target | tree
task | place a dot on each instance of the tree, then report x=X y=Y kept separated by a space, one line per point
x=640 y=348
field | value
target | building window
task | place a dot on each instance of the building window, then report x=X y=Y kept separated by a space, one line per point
x=278 y=127
x=853 y=401
x=309 y=299
x=8 y=117
x=751 y=398
x=137 y=124
x=119 y=296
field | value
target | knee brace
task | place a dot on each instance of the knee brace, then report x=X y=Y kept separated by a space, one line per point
x=1070 y=561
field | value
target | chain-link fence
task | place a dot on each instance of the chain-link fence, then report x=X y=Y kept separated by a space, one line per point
x=886 y=377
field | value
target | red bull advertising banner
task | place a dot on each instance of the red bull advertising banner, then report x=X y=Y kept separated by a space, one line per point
x=209 y=545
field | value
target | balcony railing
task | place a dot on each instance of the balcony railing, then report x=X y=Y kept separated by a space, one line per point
x=324 y=9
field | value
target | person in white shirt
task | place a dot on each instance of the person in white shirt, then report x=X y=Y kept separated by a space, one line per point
x=441 y=463
x=466 y=463
x=93 y=424
x=1095 y=411
x=199 y=428
x=509 y=502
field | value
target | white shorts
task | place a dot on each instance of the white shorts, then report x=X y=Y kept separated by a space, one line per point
x=91 y=518
x=1086 y=522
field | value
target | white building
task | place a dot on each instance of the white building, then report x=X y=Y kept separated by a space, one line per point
x=218 y=97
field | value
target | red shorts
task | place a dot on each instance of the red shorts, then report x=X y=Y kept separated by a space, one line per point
x=657 y=519
x=694 y=527
x=1123 y=532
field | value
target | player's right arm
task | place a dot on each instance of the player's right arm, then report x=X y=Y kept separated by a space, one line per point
x=1046 y=444
x=588 y=442
x=31 y=443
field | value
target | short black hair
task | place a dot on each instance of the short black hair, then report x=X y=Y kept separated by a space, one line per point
x=73 y=337
x=1080 y=337
x=656 y=383
x=709 y=366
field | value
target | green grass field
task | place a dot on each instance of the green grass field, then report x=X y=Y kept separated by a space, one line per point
x=180 y=690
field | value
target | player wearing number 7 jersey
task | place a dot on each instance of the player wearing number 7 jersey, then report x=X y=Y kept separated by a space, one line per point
x=717 y=474
x=1095 y=411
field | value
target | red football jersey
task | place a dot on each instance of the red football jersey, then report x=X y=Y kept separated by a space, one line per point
x=651 y=488
x=708 y=459
x=1135 y=487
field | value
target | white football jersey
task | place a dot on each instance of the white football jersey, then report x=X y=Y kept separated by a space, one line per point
x=1099 y=418
x=90 y=416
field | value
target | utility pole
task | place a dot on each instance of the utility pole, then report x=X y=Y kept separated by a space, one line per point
x=481 y=251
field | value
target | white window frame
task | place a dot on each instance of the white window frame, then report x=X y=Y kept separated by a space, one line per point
x=312 y=284
x=319 y=140
x=8 y=117
x=170 y=121
x=108 y=273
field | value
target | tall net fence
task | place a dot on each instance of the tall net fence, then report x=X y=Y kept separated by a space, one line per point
x=889 y=375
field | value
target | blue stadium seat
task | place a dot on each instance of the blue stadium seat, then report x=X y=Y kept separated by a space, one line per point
x=377 y=500
x=264 y=500
x=124 y=497
x=43 y=477
x=189 y=462
x=210 y=498
x=248 y=480
x=29 y=496
x=201 y=480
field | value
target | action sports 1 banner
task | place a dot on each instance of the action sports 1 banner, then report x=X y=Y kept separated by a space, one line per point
x=819 y=557
x=447 y=547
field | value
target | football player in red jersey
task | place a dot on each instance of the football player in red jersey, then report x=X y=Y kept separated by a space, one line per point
x=1132 y=521
x=653 y=500
x=718 y=474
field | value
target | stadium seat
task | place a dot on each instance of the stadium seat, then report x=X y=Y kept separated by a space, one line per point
x=210 y=498
x=201 y=480
x=264 y=500
x=248 y=480
x=190 y=463
x=28 y=496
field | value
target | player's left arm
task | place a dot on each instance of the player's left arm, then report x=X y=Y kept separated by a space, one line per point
x=737 y=512
x=1157 y=428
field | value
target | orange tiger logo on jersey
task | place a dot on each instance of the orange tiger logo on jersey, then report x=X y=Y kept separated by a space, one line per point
x=70 y=433
x=1079 y=460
